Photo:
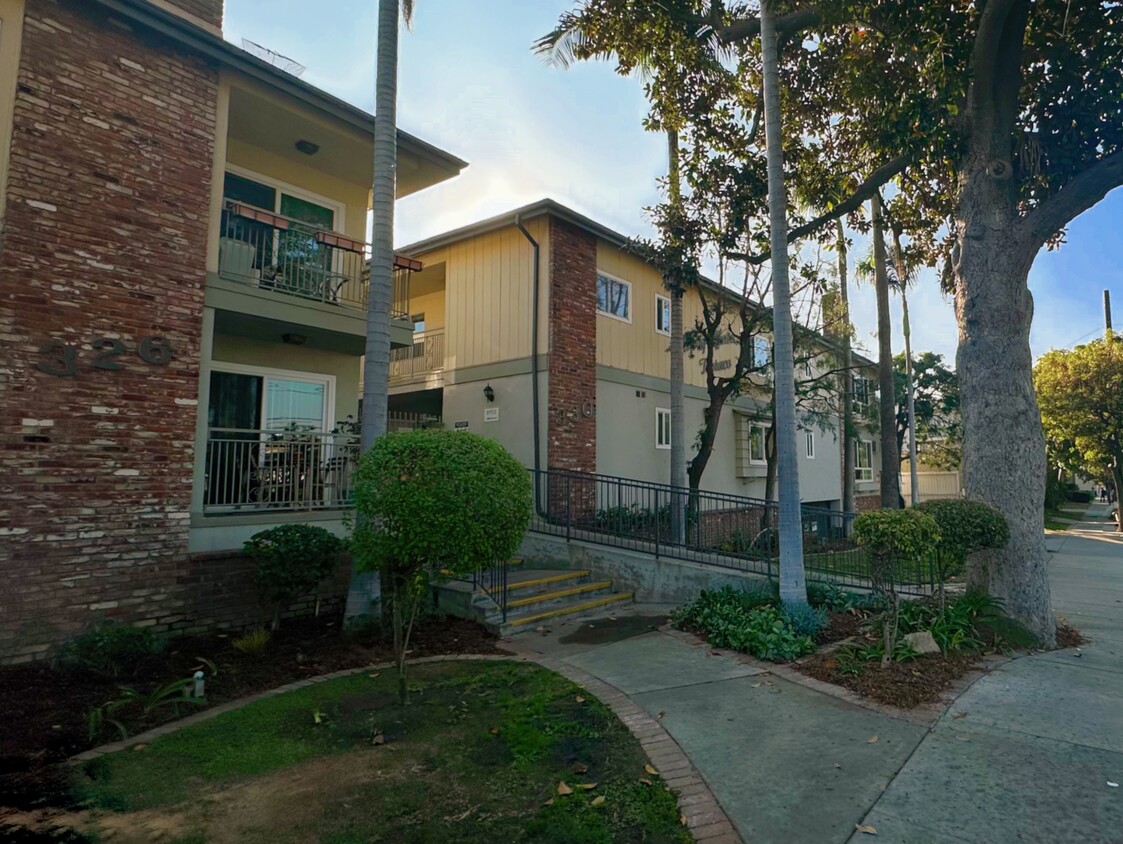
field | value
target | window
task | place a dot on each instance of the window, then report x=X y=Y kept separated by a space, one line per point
x=807 y=370
x=809 y=438
x=863 y=460
x=757 y=452
x=250 y=398
x=762 y=352
x=662 y=428
x=662 y=314
x=614 y=297
x=418 y=321
x=861 y=388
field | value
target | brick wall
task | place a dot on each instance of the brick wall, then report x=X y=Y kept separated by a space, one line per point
x=863 y=503
x=572 y=429
x=209 y=11
x=105 y=237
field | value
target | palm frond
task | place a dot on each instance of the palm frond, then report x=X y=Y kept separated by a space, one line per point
x=407 y=13
x=564 y=45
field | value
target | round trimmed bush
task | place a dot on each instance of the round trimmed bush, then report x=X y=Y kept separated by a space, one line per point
x=966 y=526
x=897 y=534
x=438 y=500
x=292 y=560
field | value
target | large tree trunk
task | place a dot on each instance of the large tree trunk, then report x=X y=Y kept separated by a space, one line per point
x=364 y=587
x=890 y=456
x=847 y=375
x=1003 y=444
x=793 y=583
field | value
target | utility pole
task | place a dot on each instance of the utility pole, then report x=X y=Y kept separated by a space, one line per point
x=1107 y=314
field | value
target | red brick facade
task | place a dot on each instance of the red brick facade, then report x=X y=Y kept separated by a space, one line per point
x=104 y=245
x=206 y=10
x=572 y=430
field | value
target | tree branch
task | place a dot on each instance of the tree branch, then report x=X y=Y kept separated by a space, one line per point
x=746 y=28
x=864 y=191
x=1080 y=194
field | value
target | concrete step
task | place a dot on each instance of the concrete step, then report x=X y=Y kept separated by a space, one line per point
x=585 y=590
x=521 y=584
x=518 y=621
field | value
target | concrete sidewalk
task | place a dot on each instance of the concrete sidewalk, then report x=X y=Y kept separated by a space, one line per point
x=1025 y=754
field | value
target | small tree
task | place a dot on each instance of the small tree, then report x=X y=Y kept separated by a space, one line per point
x=291 y=561
x=965 y=528
x=434 y=503
x=893 y=537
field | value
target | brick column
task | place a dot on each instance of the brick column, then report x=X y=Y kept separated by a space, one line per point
x=104 y=245
x=572 y=427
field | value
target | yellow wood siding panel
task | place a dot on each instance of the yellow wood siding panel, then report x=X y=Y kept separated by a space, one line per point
x=488 y=295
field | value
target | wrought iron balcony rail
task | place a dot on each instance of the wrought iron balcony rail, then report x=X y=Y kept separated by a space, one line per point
x=426 y=355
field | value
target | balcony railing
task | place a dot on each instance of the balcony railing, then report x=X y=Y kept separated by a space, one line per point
x=279 y=471
x=279 y=253
x=425 y=356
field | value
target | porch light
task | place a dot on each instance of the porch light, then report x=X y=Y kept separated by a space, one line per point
x=307 y=147
x=489 y=393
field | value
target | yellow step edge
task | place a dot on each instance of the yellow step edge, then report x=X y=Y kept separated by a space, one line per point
x=570 y=610
x=561 y=593
x=516 y=561
x=540 y=581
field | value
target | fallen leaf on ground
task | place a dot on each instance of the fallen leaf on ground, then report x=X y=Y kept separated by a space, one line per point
x=837 y=765
x=375 y=675
x=550 y=802
x=494 y=731
x=959 y=715
x=1111 y=784
x=598 y=800
x=651 y=770
x=587 y=786
x=645 y=781
x=579 y=699
x=866 y=828
x=463 y=815
x=378 y=740
x=564 y=789
x=872 y=740
x=661 y=715
x=580 y=768
x=682 y=819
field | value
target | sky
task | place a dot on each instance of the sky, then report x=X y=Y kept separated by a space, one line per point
x=469 y=83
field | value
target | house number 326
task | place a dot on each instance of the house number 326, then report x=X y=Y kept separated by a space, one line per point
x=61 y=358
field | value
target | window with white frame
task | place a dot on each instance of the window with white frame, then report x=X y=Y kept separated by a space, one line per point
x=861 y=390
x=662 y=314
x=614 y=297
x=809 y=440
x=863 y=460
x=256 y=398
x=757 y=450
x=808 y=370
x=762 y=352
x=662 y=428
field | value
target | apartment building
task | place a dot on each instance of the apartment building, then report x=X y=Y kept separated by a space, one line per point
x=182 y=311
x=541 y=329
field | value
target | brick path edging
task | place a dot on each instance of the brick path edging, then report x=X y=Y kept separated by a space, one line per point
x=699 y=809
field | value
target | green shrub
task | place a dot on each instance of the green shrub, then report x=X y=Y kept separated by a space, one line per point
x=108 y=648
x=435 y=503
x=746 y=621
x=966 y=527
x=833 y=598
x=805 y=620
x=252 y=641
x=972 y=622
x=1080 y=496
x=291 y=561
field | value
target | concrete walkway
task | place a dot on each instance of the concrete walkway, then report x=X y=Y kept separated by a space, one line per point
x=1025 y=754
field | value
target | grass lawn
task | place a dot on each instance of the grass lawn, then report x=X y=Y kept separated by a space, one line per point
x=477 y=756
x=1053 y=523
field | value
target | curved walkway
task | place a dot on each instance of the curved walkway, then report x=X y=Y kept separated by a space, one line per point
x=1025 y=753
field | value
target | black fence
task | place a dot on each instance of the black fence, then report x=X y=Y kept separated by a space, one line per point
x=726 y=531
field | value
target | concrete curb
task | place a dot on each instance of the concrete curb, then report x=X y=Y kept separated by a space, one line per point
x=702 y=815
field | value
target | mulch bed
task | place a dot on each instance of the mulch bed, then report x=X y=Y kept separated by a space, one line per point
x=1069 y=637
x=43 y=712
x=902 y=684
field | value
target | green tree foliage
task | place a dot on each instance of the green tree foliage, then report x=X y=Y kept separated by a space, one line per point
x=939 y=430
x=1080 y=392
x=291 y=561
x=435 y=503
x=893 y=537
x=965 y=527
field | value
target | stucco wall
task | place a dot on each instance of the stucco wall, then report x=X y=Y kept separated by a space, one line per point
x=514 y=429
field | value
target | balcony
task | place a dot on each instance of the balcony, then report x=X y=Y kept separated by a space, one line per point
x=258 y=471
x=281 y=254
x=425 y=358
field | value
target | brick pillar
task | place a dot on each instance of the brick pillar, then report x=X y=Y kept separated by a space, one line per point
x=206 y=11
x=104 y=245
x=572 y=428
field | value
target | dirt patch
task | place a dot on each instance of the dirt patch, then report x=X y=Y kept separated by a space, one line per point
x=34 y=738
x=905 y=685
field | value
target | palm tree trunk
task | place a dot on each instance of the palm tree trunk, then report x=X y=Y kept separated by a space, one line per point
x=793 y=584
x=376 y=365
x=914 y=486
x=847 y=376
x=678 y=410
x=890 y=457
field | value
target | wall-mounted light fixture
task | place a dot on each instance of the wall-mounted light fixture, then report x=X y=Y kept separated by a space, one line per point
x=294 y=339
x=489 y=393
x=307 y=147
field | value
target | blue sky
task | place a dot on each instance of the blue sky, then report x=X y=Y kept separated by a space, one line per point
x=469 y=83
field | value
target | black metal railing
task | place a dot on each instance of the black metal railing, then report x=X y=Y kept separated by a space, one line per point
x=492 y=581
x=426 y=355
x=728 y=531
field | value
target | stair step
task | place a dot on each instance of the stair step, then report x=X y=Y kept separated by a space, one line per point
x=543 y=597
x=570 y=609
x=533 y=581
